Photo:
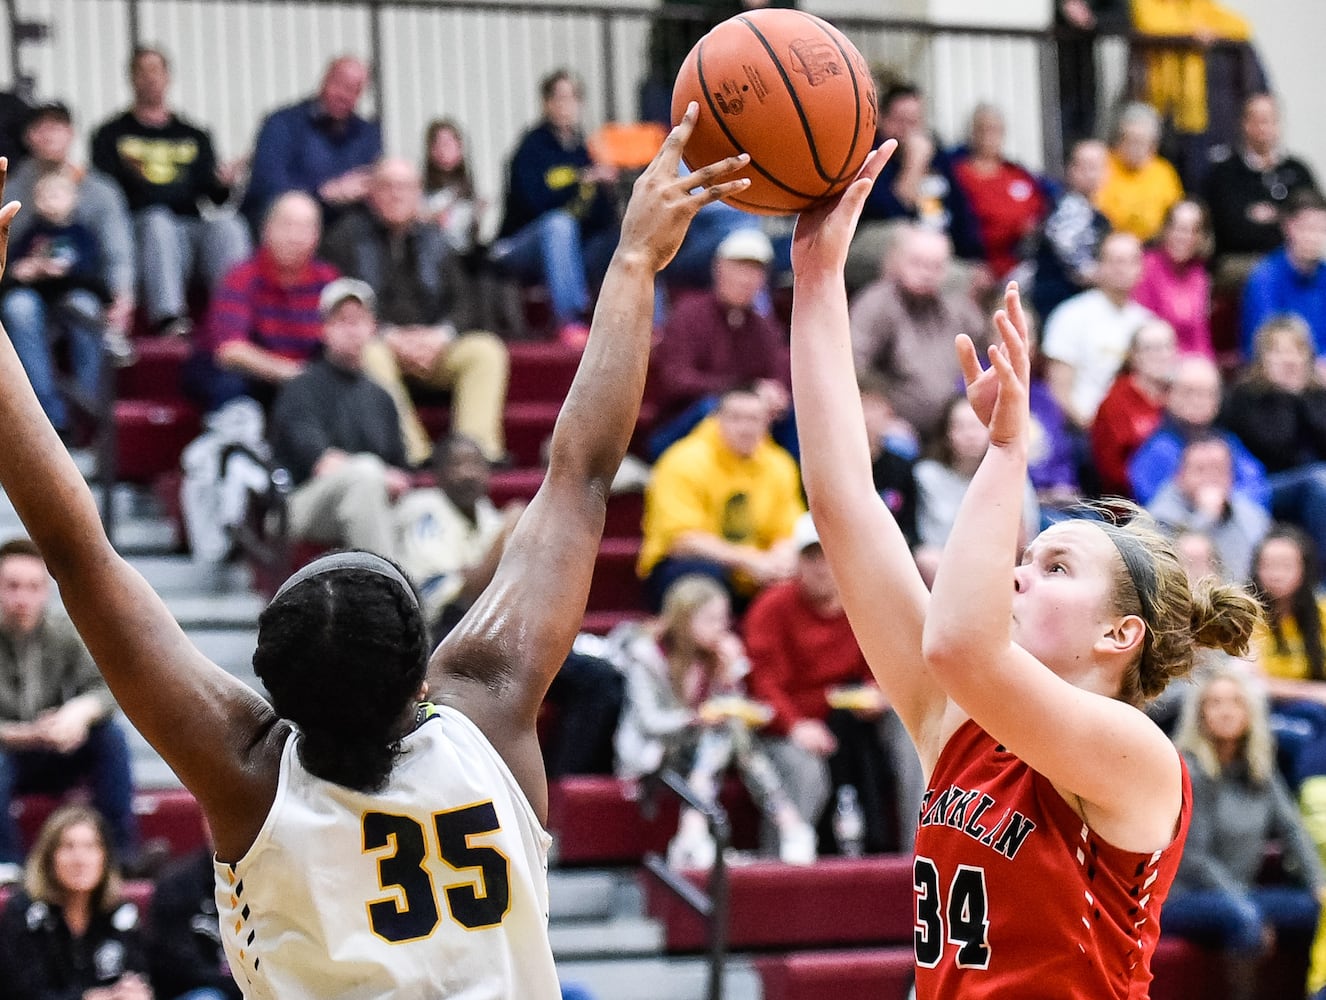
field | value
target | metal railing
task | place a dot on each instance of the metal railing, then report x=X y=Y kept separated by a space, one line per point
x=711 y=906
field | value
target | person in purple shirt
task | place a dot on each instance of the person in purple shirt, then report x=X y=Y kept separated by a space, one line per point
x=319 y=146
x=716 y=339
x=1293 y=278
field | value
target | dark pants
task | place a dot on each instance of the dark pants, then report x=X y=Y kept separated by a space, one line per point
x=862 y=761
x=1235 y=921
x=102 y=762
x=587 y=692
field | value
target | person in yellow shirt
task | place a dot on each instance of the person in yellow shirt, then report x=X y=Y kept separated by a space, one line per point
x=1176 y=77
x=1140 y=185
x=722 y=501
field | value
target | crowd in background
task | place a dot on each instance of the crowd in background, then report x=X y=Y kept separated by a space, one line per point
x=324 y=288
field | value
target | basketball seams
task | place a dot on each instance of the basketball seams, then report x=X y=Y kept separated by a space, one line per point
x=834 y=37
x=790 y=87
x=732 y=139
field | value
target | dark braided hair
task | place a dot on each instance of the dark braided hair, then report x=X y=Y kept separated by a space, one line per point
x=1303 y=607
x=343 y=655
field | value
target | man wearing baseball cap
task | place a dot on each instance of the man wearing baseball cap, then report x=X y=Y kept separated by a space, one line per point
x=716 y=339
x=339 y=435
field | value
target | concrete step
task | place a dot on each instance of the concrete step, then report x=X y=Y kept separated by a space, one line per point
x=215 y=611
x=180 y=574
x=625 y=936
x=594 y=895
x=659 y=978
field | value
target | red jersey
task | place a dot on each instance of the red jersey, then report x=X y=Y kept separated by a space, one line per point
x=1017 y=897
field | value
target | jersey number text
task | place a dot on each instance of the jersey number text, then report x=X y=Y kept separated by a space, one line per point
x=481 y=901
x=967 y=916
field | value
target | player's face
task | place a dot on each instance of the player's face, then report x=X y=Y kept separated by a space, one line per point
x=1279 y=568
x=24 y=591
x=1224 y=711
x=710 y=623
x=1063 y=595
x=80 y=859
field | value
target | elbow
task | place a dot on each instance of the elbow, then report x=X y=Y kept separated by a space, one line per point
x=945 y=650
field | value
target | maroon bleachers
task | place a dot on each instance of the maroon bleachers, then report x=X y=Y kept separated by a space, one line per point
x=166 y=815
x=598 y=820
x=615 y=586
x=859 y=974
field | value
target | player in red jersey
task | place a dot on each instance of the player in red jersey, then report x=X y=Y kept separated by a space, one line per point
x=1056 y=810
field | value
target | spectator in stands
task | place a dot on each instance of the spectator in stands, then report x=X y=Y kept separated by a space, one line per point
x=56 y=283
x=917 y=184
x=805 y=662
x=1140 y=185
x=70 y=933
x=339 y=435
x=1240 y=806
x=184 y=942
x=1005 y=198
x=903 y=327
x=1070 y=239
x=1087 y=337
x=55 y=724
x=685 y=674
x=49 y=134
x=450 y=537
x=1175 y=284
x=263 y=325
x=722 y=502
x=1247 y=188
x=1201 y=497
x=1290 y=647
x=942 y=479
x=1191 y=407
x=426 y=306
x=716 y=339
x=1132 y=409
x=893 y=451
x=1053 y=456
x=15 y=113
x=1278 y=409
x=450 y=199
x=166 y=166
x=319 y=145
x=1293 y=278
x=1077 y=25
x=559 y=225
x=1177 y=77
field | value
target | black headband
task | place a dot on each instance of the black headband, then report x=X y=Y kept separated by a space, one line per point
x=366 y=561
x=1141 y=569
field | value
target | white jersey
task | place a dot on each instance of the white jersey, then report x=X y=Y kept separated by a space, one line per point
x=435 y=887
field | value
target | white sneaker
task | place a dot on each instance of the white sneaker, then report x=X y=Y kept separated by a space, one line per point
x=692 y=847
x=796 y=844
x=10 y=873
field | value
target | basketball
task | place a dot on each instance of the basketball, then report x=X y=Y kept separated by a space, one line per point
x=789 y=89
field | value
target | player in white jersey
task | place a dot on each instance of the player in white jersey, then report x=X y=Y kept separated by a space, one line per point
x=370 y=844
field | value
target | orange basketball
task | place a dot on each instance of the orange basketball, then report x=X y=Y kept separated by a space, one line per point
x=789 y=89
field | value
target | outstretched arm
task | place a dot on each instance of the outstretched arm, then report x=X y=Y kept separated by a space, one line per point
x=882 y=591
x=1119 y=767
x=213 y=731
x=497 y=664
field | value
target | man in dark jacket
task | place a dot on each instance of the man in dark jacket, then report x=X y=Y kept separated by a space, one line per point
x=339 y=435
x=426 y=307
x=559 y=226
x=184 y=946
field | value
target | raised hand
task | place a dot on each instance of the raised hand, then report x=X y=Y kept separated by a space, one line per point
x=663 y=204
x=983 y=383
x=6 y=214
x=1011 y=361
x=824 y=233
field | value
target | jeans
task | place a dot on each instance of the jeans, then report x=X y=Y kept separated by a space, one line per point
x=1235 y=921
x=103 y=760
x=28 y=319
x=171 y=247
x=552 y=250
x=203 y=993
x=1299 y=495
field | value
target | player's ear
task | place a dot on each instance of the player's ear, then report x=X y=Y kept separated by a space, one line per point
x=1125 y=636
